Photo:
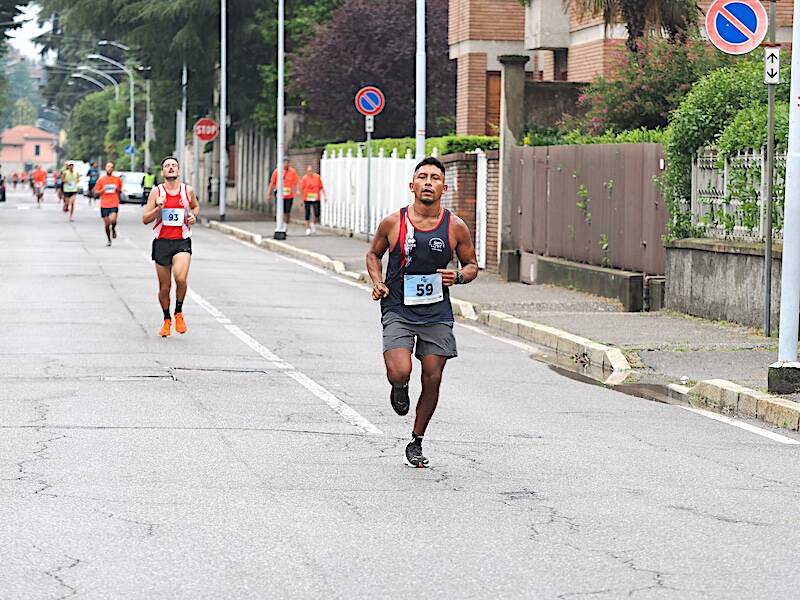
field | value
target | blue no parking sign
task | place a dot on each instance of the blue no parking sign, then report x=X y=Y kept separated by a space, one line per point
x=736 y=26
x=369 y=101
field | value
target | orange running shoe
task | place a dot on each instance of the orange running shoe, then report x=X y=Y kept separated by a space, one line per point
x=165 y=328
x=180 y=324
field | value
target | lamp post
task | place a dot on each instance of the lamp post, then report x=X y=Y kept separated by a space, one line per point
x=105 y=75
x=420 y=83
x=129 y=72
x=223 y=105
x=99 y=84
x=280 y=232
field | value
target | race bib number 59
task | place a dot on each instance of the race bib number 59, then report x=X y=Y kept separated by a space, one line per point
x=422 y=289
x=172 y=217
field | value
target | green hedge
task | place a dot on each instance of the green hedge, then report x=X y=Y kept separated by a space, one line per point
x=448 y=144
x=705 y=112
x=748 y=130
x=542 y=136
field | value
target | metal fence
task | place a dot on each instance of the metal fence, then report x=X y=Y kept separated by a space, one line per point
x=726 y=200
x=596 y=204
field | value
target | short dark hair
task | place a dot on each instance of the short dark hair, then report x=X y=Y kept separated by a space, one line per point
x=166 y=158
x=429 y=160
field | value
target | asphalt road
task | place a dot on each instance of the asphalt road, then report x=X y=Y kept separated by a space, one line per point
x=257 y=456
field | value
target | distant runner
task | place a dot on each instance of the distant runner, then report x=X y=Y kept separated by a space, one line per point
x=290 y=180
x=69 y=179
x=311 y=189
x=422 y=239
x=93 y=174
x=148 y=183
x=173 y=207
x=109 y=187
x=38 y=181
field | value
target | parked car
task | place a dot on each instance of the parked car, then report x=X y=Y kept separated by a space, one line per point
x=132 y=190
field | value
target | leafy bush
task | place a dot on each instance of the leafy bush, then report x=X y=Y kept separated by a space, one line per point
x=448 y=144
x=552 y=137
x=702 y=116
x=749 y=130
x=643 y=87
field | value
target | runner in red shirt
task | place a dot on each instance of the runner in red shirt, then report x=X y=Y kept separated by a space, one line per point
x=109 y=187
x=173 y=207
x=311 y=189
x=39 y=181
x=290 y=181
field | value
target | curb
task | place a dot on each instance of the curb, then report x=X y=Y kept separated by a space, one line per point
x=729 y=398
x=718 y=395
x=586 y=351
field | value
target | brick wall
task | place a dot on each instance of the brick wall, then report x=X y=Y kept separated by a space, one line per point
x=471 y=94
x=586 y=61
x=461 y=171
x=493 y=211
x=485 y=20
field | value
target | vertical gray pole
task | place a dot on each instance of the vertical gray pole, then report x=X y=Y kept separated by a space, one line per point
x=147 y=125
x=279 y=224
x=770 y=174
x=369 y=184
x=133 y=119
x=790 y=276
x=223 y=107
x=184 y=117
x=420 y=83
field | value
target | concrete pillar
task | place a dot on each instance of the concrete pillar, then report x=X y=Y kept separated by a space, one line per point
x=512 y=125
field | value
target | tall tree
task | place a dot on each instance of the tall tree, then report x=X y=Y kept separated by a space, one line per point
x=345 y=54
x=676 y=18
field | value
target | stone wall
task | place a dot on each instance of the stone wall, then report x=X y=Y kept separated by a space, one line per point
x=546 y=102
x=721 y=280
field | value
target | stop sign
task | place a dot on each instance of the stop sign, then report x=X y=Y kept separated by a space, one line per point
x=206 y=129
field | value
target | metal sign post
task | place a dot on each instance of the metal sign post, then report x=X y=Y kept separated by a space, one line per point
x=369 y=127
x=772 y=76
x=369 y=102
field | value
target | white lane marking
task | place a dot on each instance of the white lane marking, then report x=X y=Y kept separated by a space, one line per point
x=342 y=408
x=777 y=437
x=530 y=349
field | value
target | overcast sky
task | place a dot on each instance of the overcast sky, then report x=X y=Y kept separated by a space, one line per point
x=21 y=38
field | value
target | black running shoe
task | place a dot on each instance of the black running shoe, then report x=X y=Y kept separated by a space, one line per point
x=399 y=400
x=414 y=456
x=114 y=232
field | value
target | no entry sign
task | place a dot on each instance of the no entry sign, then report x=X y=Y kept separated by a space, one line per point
x=370 y=101
x=206 y=129
x=736 y=26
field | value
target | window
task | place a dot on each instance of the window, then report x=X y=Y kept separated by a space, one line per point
x=37 y=150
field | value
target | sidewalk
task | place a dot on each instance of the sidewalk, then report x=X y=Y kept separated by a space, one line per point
x=661 y=347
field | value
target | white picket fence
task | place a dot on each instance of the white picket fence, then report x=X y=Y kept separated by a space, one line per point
x=345 y=178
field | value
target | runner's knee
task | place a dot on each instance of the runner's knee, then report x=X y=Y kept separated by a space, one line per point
x=398 y=374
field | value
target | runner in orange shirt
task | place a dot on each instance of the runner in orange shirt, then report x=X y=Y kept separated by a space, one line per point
x=39 y=180
x=290 y=181
x=311 y=189
x=109 y=187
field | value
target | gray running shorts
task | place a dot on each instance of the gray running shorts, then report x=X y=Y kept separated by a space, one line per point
x=431 y=338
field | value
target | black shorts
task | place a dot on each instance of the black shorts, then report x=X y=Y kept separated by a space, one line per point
x=287 y=205
x=315 y=206
x=165 y=250
x=107 y=212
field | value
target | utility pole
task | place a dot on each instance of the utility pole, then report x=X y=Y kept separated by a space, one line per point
x=280 y=226
x=223 y=106
x=770 y=167
x=784 y=375
x=147 y=126
x=420 y=85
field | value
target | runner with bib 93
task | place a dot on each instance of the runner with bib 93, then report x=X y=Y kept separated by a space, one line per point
x=422 y=240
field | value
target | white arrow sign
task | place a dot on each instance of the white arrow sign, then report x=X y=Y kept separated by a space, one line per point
x=772 y=65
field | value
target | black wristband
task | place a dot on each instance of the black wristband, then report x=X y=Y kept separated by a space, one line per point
x=459 y=278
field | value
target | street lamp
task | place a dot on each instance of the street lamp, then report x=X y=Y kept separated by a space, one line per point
x=114 y=43
x=110 y=79
x=129 y=72
x=99 y=84
x=223 y=105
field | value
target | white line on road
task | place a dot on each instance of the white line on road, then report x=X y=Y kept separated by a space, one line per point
x=531 y=349
x=343 y=409
x=777 y=437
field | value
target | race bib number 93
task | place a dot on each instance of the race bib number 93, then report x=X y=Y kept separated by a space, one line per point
x=172 y=217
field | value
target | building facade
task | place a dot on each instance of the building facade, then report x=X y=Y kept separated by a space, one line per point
x=25 y=146
x=562 y=44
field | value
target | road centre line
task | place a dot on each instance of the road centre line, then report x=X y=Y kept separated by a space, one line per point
x=530 y=349
x=343 y=409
